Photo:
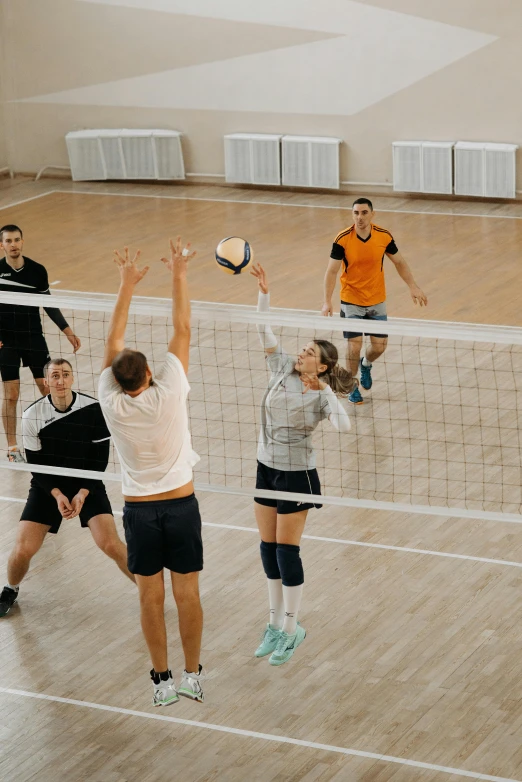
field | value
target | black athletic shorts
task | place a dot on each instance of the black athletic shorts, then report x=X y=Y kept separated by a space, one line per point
x=34 y=356
x=43 y=508
x=163 y=534
x=299 y=481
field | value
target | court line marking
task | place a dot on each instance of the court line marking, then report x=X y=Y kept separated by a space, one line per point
x=255 y=203
x=345 y=542
x=276 y=203
x=252 y=734
x=363 y=544
x=25 y=200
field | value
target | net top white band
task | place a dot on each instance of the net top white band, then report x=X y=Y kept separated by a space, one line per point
x=300 y=319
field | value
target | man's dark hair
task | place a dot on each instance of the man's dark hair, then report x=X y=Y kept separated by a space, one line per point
x=10 y=229
x=130 y=369
x=363 y=201
x=58 y=362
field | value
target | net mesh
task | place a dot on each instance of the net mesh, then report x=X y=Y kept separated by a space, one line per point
x=440 y=426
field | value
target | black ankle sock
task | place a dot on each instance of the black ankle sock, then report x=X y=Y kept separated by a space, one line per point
x=160 y=676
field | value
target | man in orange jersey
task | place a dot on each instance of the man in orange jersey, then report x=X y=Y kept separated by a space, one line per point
x=360 y=251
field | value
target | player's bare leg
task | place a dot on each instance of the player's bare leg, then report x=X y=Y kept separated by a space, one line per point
x=9 y=403
x=105 y=535
x=353 y=358
x=28 y=541
x=185 y=588
x=376 y=348
x=41 y=386
x=374 y=351
x=152 y=603
x=353 y=354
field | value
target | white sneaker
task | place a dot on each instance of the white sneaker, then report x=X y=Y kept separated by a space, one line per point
x=164 y=692
x=14 y=455
x=190 y=685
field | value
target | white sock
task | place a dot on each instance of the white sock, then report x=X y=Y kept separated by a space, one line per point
x=12 y=586
x=292 y=600
x=275 y=600
x=365 y=362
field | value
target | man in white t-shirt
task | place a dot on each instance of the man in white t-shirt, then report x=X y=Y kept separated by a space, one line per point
x=148 y=421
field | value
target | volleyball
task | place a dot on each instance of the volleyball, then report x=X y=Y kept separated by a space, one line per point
x=233 y=254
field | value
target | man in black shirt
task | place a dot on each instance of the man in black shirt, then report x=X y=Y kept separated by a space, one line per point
x=21 y=336
x=64 y=429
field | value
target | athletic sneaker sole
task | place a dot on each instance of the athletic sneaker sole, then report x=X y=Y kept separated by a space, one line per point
x=192 y=696
x=166 y=703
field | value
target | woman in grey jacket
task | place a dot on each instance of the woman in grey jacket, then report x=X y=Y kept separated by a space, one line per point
x=301 y=392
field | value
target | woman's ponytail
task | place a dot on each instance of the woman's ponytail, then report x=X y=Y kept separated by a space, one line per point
x=340 y=380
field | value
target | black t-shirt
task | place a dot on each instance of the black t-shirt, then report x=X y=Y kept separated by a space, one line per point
x=21 y=326
x=73 y=438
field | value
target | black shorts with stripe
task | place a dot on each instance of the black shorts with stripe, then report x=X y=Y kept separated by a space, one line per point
x=297 y=481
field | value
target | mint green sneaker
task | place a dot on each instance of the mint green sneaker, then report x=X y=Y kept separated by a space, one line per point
x=287 y=645
x=268 y=643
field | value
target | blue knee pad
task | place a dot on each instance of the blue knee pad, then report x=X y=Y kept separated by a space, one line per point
x=290 y=565
x=269 y=559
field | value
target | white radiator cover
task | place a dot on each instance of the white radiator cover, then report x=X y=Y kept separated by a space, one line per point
x=125 y=154
x=311 y=161
x=407 y=166
x=423 y=166
x=485 y=169
x=253 y=158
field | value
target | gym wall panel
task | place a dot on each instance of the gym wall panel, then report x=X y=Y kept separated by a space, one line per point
x=366 y=72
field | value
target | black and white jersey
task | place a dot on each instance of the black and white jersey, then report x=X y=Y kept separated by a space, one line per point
x=20 y=324
x=75 y=438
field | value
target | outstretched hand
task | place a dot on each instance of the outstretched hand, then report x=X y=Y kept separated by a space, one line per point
x=179 y=257
x=129 y=272
x=259 y=273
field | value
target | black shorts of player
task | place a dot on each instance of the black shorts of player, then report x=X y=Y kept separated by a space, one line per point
x=163 y=534
x=298 y=481
x=35 y=357
x=42 y=508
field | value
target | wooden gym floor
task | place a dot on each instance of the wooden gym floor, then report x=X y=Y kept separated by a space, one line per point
x=411 y=669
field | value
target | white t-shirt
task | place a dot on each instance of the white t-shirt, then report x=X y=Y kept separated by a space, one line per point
x=150 y=431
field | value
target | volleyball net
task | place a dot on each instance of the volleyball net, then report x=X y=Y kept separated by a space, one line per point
x=438 y=432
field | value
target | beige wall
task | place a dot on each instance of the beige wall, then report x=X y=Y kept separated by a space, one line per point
x=434 y=72
x=3 y=140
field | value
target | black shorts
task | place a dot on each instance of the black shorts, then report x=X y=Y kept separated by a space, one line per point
x=299 y=481
x=34 y=356
x=163 y=534
x=43 y=508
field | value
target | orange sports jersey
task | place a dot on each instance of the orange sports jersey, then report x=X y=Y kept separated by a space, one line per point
x=362 y=278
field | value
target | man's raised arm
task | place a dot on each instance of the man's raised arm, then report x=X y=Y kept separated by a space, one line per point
x=179 y=344
x=130 y=276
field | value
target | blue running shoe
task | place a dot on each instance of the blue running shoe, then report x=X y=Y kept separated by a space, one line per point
x=355 y=397
x=366 y=375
